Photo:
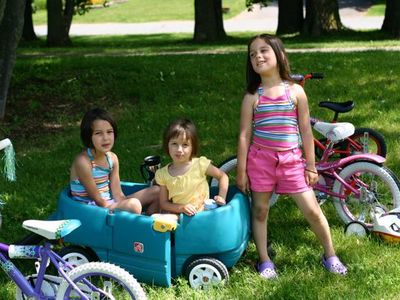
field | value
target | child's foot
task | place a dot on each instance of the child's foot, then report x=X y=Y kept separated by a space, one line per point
x=334 y=265
x=267 y=270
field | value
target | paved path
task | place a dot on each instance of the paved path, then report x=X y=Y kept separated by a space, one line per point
x=352 y=14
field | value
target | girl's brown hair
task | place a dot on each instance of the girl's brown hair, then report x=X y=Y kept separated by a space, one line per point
x=253 y=79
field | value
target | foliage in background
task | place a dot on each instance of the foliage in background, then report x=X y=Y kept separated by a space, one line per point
x=49 y=95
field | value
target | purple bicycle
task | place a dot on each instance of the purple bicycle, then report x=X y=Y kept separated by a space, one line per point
x=95 y=280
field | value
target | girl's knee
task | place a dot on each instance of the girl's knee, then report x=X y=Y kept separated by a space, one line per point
x=315 y=216
x=134 y=205
x=260 y=212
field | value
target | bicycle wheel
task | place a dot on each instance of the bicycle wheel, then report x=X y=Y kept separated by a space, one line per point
x=99 y=280
x=48 y=288
x=229 y=167
x=376 y=187
x=364 y=140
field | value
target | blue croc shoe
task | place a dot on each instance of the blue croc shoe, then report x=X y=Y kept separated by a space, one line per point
x=267 y=270
x=334 y=265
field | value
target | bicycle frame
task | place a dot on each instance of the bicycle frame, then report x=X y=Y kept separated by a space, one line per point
x=42 y=253
x=328 y=170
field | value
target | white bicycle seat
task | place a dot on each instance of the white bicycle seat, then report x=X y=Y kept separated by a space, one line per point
x=335 y=131
x=52 y=230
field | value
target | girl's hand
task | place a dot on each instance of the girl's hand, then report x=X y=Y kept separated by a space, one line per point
x=311 y=176
x=242 y=182
x=219 y=200
x=189 y=209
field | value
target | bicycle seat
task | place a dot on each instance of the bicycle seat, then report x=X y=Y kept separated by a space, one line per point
x=52 y=230
x=339 y=107
x=335 y=131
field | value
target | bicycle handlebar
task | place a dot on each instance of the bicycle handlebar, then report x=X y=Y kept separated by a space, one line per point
x=300 y=78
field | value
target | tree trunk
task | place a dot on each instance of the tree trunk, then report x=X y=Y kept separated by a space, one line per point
x=209 y=25
x=11 y=23
x=391 y=23
x=321 y=16
x=2 y=8
x=290 y=16
x=28 y=33
x=59 y=19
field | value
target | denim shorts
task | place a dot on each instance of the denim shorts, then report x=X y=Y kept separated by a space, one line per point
x=279 y=171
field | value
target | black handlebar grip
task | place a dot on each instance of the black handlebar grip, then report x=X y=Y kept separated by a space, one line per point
x=317 y=75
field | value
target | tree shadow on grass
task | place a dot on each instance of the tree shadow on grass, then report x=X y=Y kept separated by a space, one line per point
x=177 y=43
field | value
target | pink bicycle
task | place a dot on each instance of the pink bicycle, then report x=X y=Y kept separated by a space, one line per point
x=358 y=184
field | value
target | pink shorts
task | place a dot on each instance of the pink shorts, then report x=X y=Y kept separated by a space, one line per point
x=282 y=171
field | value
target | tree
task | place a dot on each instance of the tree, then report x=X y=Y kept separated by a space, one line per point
x=290 y=16
x=11 y=23
x=28 y=32
x=59 y=19
x=321 y=16
x=208 y=20
x=391 y=23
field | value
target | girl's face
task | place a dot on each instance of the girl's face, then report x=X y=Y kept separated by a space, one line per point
x=180 y=149
x=102 y=136
x=262 y=57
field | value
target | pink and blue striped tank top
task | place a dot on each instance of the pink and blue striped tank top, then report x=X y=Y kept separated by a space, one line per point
x=275 y=123
x=101 y=177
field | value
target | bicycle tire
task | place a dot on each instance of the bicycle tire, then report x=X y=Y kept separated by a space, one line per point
x=229 y=167
x=379 y=187
x=97 y=272
x=376 y=142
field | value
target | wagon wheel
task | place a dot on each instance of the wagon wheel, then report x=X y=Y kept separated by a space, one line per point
x=206 y=272
x=76 y=255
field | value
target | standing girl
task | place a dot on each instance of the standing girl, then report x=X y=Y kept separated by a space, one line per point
x=95 y=171
x=273 y=125
x=183 y=183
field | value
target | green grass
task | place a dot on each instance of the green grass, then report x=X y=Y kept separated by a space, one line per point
x=377 y=9
x=136 y=11
x=181 y=43
x=48 y=96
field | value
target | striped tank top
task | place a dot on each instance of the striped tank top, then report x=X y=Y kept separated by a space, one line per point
x=101 y=177
x=275 y=123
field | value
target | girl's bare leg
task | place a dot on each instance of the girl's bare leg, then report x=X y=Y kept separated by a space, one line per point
x=259 y=217
x=149 y=198
x=311 y=210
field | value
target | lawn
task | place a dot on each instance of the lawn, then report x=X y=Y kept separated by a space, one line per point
x=136 y=11
x=49 y=94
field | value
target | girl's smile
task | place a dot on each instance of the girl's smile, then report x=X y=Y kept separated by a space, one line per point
x=262 y=57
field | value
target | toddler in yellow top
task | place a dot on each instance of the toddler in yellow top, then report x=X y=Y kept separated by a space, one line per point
x=183 y=182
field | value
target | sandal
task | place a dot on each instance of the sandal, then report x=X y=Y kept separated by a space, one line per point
x=334 y=265
x=267 y=270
